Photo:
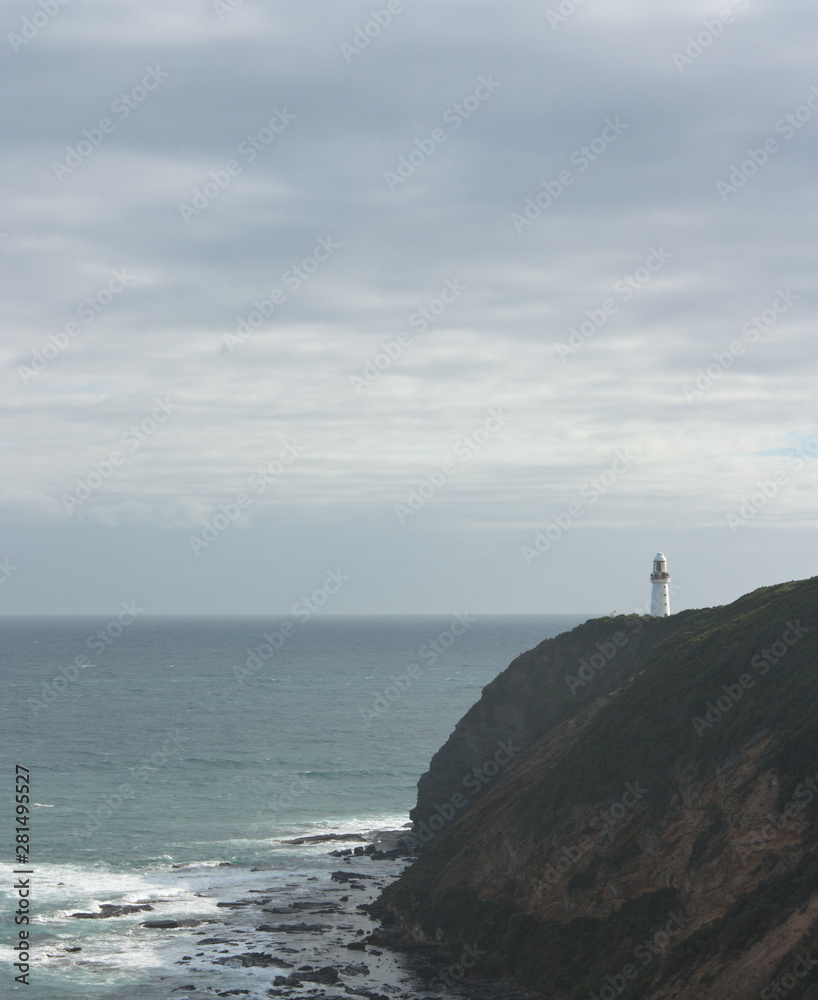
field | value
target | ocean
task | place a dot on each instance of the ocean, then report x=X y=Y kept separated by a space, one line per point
x=169 y=758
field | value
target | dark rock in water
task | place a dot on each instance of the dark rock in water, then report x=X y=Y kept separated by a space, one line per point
x=216 y=940
x=300 y=907
x=348 y=876
x=77 y=948
x=177 y=989
x=326 y=976
x=356 y=946
x=293 y=928
x=253 y=958
x=243 y=902
x=389 y=855
x=356 y=968
x=112 y=910
x=169 y=924
x=324 y=838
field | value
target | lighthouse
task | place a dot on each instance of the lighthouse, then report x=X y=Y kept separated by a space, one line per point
x=660 y=584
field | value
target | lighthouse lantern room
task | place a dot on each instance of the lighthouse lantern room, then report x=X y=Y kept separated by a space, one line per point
x=660 y=583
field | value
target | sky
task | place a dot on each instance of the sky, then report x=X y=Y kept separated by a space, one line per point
x=405 y=307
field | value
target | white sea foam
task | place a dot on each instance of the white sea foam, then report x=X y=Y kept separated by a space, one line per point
x=146 y=766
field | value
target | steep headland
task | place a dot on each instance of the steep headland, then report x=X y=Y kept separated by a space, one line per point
x=630 y=811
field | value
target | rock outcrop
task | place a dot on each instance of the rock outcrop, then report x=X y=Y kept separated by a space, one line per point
x=650 y=828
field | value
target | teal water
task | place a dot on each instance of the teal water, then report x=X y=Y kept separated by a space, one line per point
x=188 y=742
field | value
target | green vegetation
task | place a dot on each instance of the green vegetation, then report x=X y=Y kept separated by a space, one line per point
x=643 y=731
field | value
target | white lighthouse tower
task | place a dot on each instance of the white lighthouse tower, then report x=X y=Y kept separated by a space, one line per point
x=660 y=584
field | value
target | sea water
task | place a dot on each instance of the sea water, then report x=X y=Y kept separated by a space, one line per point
x=169 y=759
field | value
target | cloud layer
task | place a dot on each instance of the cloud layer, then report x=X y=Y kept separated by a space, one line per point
x=357 y=231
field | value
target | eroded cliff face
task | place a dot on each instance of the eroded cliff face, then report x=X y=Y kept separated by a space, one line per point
x=558 y=679
x=629 y=850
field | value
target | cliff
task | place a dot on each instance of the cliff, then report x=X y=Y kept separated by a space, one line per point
x=629 y=811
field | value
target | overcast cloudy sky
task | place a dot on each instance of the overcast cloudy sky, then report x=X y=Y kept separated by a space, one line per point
x=500 y=298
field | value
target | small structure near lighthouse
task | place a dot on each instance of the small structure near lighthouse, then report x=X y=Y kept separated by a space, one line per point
x=660 y=584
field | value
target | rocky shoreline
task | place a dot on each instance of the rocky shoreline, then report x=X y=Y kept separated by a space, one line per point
x=302 y=936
